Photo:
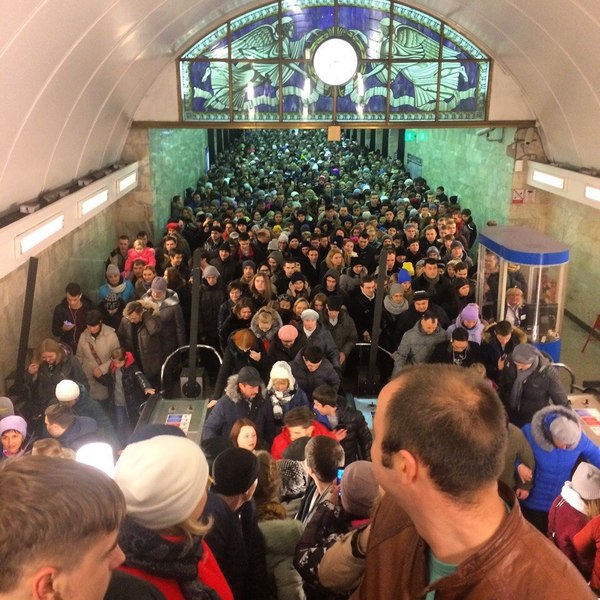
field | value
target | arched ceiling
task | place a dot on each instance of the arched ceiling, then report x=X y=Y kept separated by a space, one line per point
x=73 y=73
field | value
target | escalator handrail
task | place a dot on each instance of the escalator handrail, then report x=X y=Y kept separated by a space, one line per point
x=186 y=348
x=368 y=344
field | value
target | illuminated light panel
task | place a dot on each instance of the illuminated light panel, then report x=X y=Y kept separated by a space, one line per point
x=592 y=193
x=127 y=181
x=95 y=201
x=41 y=233
x=547 y=179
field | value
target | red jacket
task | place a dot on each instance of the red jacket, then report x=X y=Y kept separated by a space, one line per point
x=209 y=573
x=586 y=544
x=283 y=440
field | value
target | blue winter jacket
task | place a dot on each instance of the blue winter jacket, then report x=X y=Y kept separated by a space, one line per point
x=553 y=466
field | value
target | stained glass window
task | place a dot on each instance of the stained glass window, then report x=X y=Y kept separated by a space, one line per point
x=258 y=67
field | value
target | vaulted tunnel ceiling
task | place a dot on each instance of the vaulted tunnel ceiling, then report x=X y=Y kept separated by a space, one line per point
x=74 y=73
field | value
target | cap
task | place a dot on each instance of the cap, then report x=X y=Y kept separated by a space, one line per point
x=163 y=479
x=470 y=312
x=565 y=431
x=403 y=276
x=334 y=302
x=159 y=284
x=66 y=391
x=297 y=277
x=6 y=407
x=359 y=488
x=287 y=333
x=112 y=270
x=586 y=481
x=309 y=314
x=13 y=422
x=210 y=271
x=234 y=471
x=249 y=263
x=524 y=354
x=147 y=432
x=225 y=246
x=293 y=478
x=111 y=301
x=420 y=295
x=249 y=376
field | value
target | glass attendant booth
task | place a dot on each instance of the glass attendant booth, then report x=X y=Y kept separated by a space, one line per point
x=521 y=277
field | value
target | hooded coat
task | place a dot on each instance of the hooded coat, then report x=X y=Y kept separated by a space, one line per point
x=553 y=466
x=231 y=406
x=265 y=338
x=293 y=397
x=322 y=287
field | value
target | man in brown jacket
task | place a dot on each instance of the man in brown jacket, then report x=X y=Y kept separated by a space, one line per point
x=445 y=528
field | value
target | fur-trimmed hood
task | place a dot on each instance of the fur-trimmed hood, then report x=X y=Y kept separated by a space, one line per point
x=171 y=298
x=540 y=424
x=275 y=327
x=490 y=329
x=149 y=305
x=233 y=391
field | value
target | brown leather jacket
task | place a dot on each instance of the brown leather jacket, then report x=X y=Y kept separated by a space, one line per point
x=517 y=563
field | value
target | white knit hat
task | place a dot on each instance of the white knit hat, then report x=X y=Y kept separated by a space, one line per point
x=163 y=479
x=66 y=391
x=281 y=370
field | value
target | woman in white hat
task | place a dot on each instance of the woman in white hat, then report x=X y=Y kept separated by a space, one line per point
x=164 y=480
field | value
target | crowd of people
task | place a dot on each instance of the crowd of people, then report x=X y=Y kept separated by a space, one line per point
x=288 y=496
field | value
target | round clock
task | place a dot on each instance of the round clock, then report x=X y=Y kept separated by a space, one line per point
x=335 y=61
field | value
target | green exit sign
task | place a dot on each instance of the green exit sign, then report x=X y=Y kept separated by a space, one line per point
x=421 y=136
x=410 y=135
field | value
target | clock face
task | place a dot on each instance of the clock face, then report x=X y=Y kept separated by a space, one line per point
x=335 y=61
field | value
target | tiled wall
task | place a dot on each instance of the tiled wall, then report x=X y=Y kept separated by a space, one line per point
x=471 y=167
x=78 y=257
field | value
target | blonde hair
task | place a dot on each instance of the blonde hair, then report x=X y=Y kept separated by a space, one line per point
x=49 y=345
x=593 y=507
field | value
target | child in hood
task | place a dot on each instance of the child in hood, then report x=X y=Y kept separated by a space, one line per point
x=468 y=319
x=283 y=392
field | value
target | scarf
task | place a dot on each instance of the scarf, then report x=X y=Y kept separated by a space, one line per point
x=517 y=389
x=279 y=400
x=149 y=551
x=394 y=308
x=431 y=283
x=117 y=289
